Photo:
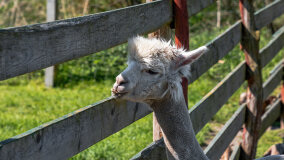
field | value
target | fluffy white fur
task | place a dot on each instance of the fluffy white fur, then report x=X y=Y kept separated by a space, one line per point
x=161 y=55
x=153 y=76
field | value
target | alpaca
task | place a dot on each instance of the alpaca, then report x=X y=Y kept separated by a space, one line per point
x=153 y=76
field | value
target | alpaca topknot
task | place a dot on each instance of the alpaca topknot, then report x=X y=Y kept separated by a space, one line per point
x=158 y=53
x=140 y=48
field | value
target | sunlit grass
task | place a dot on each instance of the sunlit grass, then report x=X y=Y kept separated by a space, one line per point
x=23 y=107
x=268 y=139
x=25 y=104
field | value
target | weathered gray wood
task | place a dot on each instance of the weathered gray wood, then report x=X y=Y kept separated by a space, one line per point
x=250 y=47
x=270 y=116
x=273 y=81
x=270 y=26
x=275 y=68
x=232 y=37
x=236 y=153
x=51 y=15
x=201 y=113
x=72 y=133
x=222 y=140
x=218 y=48
x=29 y=48
x=155 y=151
x=204 y=110
x=267 y=14
x=273 y=47
x=195 y=6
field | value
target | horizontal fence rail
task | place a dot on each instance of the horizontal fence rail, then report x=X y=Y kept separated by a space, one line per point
x=41 y=29
x=273 y=81
x=34 y=47
x=195 y=6
x=222 y=140
x=203 y=111
x=218 y=48
x=230 y=38
x=30 y=48
x=273 y=47
x=267 y=119
x=267 y=14
x=71 y=134
x=270 y=115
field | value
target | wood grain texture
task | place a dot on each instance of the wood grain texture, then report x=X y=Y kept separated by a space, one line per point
x=250 y=47
x=270 y=116
x=195 y=6
x=273 y=81
x=267 y=14
x=154 y=151
x=222 y=140
x=29 y=48
x=273 y=47
x=218 y=48
x=182 y=36
x=204 y=110
x=72 y=133
x=232 y=37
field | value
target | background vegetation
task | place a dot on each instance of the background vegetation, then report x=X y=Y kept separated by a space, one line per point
x=26 y=103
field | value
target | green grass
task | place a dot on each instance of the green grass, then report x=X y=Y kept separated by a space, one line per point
x=25 y=103
x=29 y=105
x=268 y=139
x=122 y=145
x=23 y=107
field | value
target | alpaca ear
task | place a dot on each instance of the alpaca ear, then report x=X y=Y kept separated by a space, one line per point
x=189 y=57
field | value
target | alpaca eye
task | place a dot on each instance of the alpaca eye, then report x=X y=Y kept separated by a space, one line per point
x=151 y=72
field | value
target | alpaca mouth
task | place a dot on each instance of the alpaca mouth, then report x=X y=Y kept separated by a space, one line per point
x=118 y=94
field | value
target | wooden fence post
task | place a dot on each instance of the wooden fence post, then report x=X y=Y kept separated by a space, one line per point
x=250 y=46
x=51 y=15
x=181 y=40
x=182 y=34
x=166 y=34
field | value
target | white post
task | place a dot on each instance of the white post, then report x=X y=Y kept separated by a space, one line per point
x=51 y=14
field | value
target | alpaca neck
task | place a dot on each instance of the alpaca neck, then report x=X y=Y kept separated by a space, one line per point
x=178 y=132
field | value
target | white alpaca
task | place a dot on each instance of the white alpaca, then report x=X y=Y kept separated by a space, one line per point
x=153 y=76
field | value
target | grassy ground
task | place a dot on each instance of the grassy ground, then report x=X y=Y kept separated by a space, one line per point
x=25 y=104
x=268 y=139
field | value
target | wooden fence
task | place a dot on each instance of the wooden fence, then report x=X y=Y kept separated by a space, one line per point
x=30 y=48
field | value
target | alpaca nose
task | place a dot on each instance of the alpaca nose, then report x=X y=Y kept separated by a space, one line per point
x=120 y=80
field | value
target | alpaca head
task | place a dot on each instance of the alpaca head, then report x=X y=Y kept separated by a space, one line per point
x=155 y=68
